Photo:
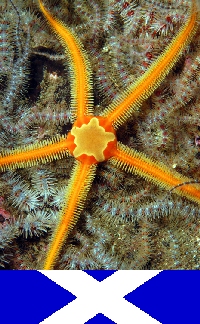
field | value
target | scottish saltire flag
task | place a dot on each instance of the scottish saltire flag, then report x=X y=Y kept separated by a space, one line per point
x=122 y=297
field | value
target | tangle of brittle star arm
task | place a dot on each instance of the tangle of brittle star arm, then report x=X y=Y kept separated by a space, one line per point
x=132 y=161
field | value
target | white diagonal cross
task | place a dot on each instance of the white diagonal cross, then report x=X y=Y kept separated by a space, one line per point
x=104 y=297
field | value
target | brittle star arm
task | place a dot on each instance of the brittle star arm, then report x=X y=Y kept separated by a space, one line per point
x=131 y=99
x=75 y=196
x=138 y=163
x=76 y=191
x=33 y=154
x=80 y=69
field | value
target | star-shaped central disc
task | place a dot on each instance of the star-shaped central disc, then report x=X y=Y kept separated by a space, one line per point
x=92 y=141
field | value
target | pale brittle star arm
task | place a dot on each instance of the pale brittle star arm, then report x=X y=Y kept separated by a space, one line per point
x=74 y=199
x=33 y=154
x=80 y=69
x=138 y=163
x=132 y=98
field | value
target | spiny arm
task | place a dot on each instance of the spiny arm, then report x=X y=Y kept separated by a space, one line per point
x=33 y=154
x=134 y=162
x=131 y=99
x=80 y=70
x=76 y=193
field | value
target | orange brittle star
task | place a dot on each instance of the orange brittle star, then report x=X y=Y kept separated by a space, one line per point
x=92 y=139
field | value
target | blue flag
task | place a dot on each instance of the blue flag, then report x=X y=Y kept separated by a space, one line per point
x=95 y=296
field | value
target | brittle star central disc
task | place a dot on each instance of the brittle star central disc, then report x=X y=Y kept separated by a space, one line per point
x=92 y=139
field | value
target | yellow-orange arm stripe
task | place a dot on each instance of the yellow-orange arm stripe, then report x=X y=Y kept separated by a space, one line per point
x=33 y=154
x=131 y=99
x=80 y=70
x=76 y=193
x=134 y=162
